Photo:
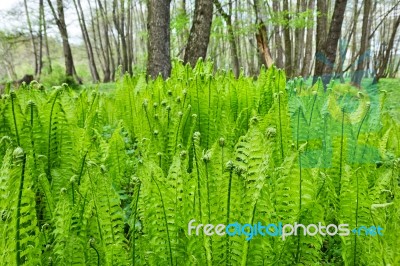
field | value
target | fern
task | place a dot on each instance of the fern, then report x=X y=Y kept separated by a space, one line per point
x=113 y=178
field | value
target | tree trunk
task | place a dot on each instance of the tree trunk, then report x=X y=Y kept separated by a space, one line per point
x=62 y=27
x=231 y=36
x=382 y=70
x=158 y=44
x=262 y=42
x=299 y=41
x=117 y=40
x=122 y=36
x=106 y=48
x=278 y=37
x=288 y=43
x=322 y=33
x=326 y=52
x=309 y=45
x=35 y=54
x=96 y=34
x=344 y=47
x=362 y=60
x=199 y=36
x=88 y=44
x=46 y=39
x=40 y=55
x=396 y=70
x=354 y=45
x=129 y=37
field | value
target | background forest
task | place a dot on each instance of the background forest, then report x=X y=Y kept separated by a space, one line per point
x=91 y=39
x=146 y=115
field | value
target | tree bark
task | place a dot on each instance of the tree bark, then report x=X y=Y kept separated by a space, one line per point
x=40 y=50
x=120 y=26
x=309 y=45
x=46 y=39
x=288 y=43
x=199 y=36
x=262 y=42
x=86 y=40
x=129 y=37
x=59 y=17
x=158 y=44
x=35 y=53
x=326 y=52
x=382 y=69
x=322 y=22
x=117 y=40
x=362 y=60
x=231 y=36
x=299 y=41
x=278 y=37
x=106 y=48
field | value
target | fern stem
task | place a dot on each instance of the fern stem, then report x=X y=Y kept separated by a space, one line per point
x=98 y=254
x=82 y=167
x=196 y=160
x=118 y=159
x=184 y=100
x=355 y=235
x=325 y=139
x=49 y=136
x=185 y=123
x=73 y=193
x=247 y=243
x=134 y=224
x=169 y=117
x=131 y=112
x=46 y=195
x=358 y=133
x=19 y=203
x=247 y=110
x=280 y=117
x=298 y=252
x=95 y=206
x=228 y=212
x=209 y=115
x=310 y=119
x=31 y=131
x=148 y=119
x=198 y=107
x=14 y=117
x=312 y=111
x=208 y=193
x=298 y=128
x=198 y=180
x=341 y=152
x=177 y=134
x=165 y=219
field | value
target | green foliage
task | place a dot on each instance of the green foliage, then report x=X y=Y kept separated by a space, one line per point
x=113 y=178
x=57 y=77
x=294 y=19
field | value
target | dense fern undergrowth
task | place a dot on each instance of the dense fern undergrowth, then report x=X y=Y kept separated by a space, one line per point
x=89 y=178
